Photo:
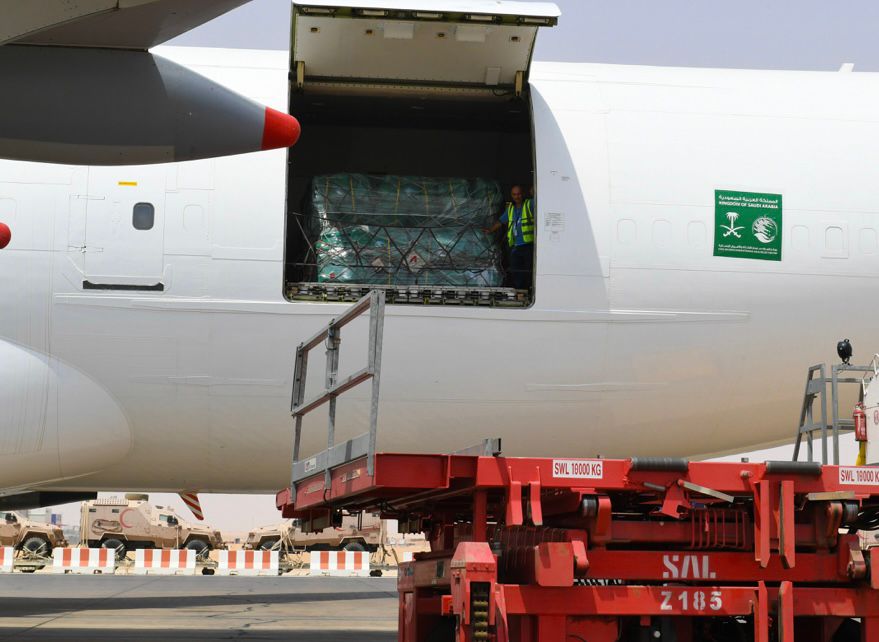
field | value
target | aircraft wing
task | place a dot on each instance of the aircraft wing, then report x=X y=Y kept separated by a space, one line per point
x=92 y=93
x=119 y=24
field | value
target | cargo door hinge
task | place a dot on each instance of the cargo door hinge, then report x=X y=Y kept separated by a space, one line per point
x=299 y=78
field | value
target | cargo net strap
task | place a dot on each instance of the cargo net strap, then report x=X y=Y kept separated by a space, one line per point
x=403 y=230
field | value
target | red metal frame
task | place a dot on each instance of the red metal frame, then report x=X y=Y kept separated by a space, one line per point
x=526 y=549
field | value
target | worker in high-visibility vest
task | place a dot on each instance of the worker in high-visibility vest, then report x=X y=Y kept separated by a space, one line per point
x=518 y=219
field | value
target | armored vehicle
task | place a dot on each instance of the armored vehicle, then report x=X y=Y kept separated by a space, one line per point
x=33 y=537
x=356 y=533
x=132 y=522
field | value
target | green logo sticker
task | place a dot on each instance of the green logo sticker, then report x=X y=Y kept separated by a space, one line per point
x=747 y=225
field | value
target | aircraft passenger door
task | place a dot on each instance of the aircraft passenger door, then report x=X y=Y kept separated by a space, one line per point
x=125 y=228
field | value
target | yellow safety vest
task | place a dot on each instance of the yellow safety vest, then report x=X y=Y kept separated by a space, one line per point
x=527 y=223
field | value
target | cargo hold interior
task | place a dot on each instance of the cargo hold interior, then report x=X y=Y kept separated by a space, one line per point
x=434 y=133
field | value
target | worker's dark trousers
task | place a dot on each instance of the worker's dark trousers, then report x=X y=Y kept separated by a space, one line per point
x=521 y=265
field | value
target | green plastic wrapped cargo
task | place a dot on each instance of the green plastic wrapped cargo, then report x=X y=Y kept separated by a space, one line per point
x=405 y=230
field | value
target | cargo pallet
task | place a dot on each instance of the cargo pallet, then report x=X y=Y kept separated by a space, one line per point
x=530 y=549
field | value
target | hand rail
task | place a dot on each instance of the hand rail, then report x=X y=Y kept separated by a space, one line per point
x=337 y=454
x=816 y=388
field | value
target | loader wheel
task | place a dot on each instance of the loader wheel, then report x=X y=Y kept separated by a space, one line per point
x=201 y=548
x=117 y=546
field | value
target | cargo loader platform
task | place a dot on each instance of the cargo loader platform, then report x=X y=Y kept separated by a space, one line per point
x=534 y=549
x=527 y=549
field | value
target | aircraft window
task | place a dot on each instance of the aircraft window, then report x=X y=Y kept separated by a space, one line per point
x=800 y=238
x=627 y=231
x=835 y=242
x=662 y=233
x=114 y=510
x=696 y=233
x=144 y=216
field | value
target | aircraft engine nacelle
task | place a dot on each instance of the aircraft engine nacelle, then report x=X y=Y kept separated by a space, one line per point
x=117 y=107
x=55 y=421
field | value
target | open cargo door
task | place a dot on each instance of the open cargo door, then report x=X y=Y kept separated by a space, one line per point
x=476 y=43
x=418 y=120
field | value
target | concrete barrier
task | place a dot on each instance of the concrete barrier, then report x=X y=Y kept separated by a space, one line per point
x=339 y=563
x=84 y=560
x=7 y=558
x=148 y=561
x=247 y=563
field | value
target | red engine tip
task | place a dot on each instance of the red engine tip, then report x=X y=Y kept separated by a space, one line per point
x=281 y=130
x=5 y=235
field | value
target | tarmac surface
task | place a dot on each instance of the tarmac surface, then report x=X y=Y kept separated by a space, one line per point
x=171 y=609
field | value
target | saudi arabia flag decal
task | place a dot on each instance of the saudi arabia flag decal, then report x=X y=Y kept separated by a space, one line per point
x=747 y=225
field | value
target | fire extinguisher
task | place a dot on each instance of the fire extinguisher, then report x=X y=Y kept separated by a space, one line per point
x=860 y=419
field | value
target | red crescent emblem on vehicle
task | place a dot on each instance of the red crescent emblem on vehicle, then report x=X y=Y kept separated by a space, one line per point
x=122 y=518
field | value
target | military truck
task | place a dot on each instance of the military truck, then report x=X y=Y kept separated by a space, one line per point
x=132 y=522
x=356 y=533
x=35 y=538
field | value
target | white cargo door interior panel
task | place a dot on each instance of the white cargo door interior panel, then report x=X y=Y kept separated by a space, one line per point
x=480 y=43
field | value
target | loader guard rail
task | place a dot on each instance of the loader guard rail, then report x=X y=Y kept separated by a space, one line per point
x=363 y=445
x=815 y=424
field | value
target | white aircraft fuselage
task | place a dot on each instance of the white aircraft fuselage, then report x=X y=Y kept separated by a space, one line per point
x=646 y=337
